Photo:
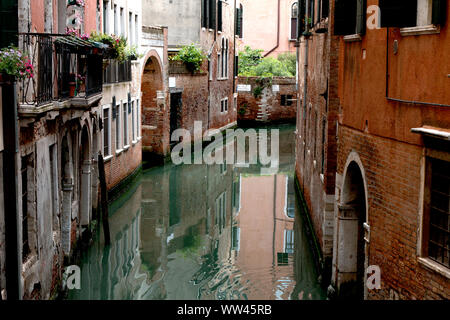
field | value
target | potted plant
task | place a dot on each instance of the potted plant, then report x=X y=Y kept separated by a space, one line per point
x=14 y=64
x=72 y=85
x=191 y=56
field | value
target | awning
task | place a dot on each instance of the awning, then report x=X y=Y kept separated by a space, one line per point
x=77 y=45
x=434 y=132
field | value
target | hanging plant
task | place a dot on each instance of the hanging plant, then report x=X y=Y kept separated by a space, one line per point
x=14 y=63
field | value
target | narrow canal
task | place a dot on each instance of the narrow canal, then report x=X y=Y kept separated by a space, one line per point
x=205 y=232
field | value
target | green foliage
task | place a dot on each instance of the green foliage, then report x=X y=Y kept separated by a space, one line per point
x=252 y=64
x=14 y=63
x=289 y=60
x=133 y=53
x=257 y=91
x=191 y=56
x=118 y=45
x=249 y=58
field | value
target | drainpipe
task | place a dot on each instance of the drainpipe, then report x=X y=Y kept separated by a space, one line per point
x=10 y=192
x=278 y=32
x=305 y=83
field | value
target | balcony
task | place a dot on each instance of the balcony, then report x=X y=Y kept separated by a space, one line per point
x=68 y=72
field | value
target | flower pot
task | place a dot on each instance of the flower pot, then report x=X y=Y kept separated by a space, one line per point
x=72 y=88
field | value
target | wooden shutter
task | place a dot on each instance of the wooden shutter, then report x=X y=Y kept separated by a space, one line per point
x=219 y=15
x=9 y=23
x=344 y=17
x=241 y=14
x=212 y=14
x=325 y=8
x=238 y=26
x=114 y=108
x=361 y=7
x=439 y=13
x=398 y=13
x=301 y=16
x=294 y=28
x=204 y=15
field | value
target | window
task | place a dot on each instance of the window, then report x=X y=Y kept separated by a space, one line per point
x=219 y=15
x=235 y=237
x=223 y=60
x=210 y=69
x=130 y=27
x=138 y=118
x=436 y=226
x=136 y=30
x=205 y=13
x=224 y=105
x=236 y=66
x=221 y=208
x=282 y=258
x=118 y=116
x=350 y=17
x=106 y=17
x=125 y=124
x=238 y=23
x=106 y=132
x=290 y=198
x=212 y=14
x=412 y=13
x=286 y=100
x=294 y=20
x=133 y=121
x=116 y=20
x=122 y=23
x=26 y=247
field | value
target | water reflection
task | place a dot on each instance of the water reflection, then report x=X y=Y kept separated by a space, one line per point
x=205 y=232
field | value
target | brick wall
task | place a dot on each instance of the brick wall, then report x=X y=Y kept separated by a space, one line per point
x=266 y=106
x=393 y=180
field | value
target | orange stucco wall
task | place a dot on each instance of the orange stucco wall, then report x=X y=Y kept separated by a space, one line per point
x=418 y=72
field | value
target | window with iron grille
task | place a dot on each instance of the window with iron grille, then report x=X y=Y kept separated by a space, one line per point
x=437 y=212
x=286 y=100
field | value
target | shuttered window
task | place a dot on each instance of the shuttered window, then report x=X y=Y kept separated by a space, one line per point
x=238 y=22
x=212 y=14
x=350 y=17
x=302 y=12
x=205 y=13
x=219 y=16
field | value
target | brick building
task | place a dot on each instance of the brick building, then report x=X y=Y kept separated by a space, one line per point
x=392 y=132
x=206 y=95
x=266 y=100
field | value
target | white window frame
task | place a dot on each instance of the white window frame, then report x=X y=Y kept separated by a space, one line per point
x=133 y=121
x=424 y=23
x=107 y=107
x=118 y=133
x=224 y=102
x=125 y=126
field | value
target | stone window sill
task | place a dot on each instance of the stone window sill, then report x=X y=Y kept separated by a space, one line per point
x=108 y=158
x=119 y=151
x=352 y=38
x=134 y=142
x=420 y=30
x=125 y=148
x=434 y=266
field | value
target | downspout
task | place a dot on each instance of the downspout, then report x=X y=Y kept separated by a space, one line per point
x=278 y=32
x=305 y=82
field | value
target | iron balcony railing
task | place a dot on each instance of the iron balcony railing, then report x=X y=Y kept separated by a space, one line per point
x=65 y=67
x=116 y=72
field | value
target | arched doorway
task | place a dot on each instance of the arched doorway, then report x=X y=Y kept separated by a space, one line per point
x=351 y=259
x=67 y=193
x=85 y=178
x=153 y=105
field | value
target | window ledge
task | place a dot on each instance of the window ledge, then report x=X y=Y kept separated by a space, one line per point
x=353 y=38
x=125 y=148
x=420 y=30
x=434 y=266
x=119 y=151
x=108 y=158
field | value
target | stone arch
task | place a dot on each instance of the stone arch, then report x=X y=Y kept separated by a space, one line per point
x=351 y=249
x=153 y=103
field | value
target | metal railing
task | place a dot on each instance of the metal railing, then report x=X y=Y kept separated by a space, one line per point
x=60 y=72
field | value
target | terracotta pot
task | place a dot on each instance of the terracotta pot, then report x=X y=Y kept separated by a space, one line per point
x=72 y=87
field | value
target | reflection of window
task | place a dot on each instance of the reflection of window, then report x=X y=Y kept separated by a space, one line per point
x=125 y=124
x=223 y=168
x=289 y=241
x=236 y=195
x=290 y=198
x=221 y=207
x=282 y=258
x=437 y=211
x=235 y=235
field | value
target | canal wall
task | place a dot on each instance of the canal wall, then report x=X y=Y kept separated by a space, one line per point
x=266 y=99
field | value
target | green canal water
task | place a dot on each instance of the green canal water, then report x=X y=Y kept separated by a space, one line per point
x=216 y=232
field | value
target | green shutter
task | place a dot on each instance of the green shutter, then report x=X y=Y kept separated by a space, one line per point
x=439 y=13
x=9 y=23
x=361 y=7
x=219 y=15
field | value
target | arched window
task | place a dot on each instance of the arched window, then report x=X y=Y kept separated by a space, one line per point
x=294 y=20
